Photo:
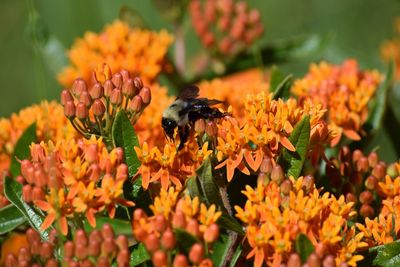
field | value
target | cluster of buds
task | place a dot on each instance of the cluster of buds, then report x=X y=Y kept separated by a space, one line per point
x=159 y=232
x=100 y=248
x=237 y=26
x=92 y=109
x=71 y=178
x=312 y=261
x=37 y=252
x=357 y=176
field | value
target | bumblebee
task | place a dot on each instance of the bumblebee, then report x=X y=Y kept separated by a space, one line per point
x=185 y=111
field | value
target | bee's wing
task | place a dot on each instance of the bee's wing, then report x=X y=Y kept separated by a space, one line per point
x=191 y=91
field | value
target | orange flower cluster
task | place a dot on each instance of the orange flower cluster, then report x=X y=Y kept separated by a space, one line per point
x=236 y=28
x=169 y=165
x=344 y=90
x=92 y=110
x=74 y=177
x=50 y=125
x=390 y=49
x=275 y=217
x=267 y=125
x=141 y=52
x=172 y=214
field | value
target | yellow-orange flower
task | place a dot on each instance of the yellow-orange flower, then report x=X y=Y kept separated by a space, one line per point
x=344 y=90
x=141 y=52
x=273 y=222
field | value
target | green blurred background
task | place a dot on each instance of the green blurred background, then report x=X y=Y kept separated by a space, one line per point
x=355 y=28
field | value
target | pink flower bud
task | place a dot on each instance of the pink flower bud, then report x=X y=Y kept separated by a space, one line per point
x=192 y=227
x=196 y=253
x=136 y=104
x=277 y=174
x=65 y=97
x=200 y=126
x=179 y=220
x=168 y=240
x=94 y=248
x=81 y=238
x=107 y=231
x=125 y=75
x=138 y=83
x=128 y=89
x=27 y=193
x=211 y=234
x=47 y=250
x=294 y=260
x=122 y=172
x=38 y=194
x=78 y=87
x=24 y=255
x=98 y=108
x=152 y=243
x=96 y=91
x=69 y=249
x=69 y=109
x=159 y=259
x=108 y=88
x=145 y=93
x=85 y=98
x=81 y=111
x=32 y=236
x=180 y=261
x=116 y=97
x=117 y=80
x=122 y=242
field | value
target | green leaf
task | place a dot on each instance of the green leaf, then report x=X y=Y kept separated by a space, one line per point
x=221 y=251
x=21 y=149
x=13 y=192
x=379 y=103
x=388 y=255
x=304 y=247
x=208 y=186
x=120 y=227
x=228 y=222
x=139 y=255
x=10 y=218
x=280 y=84
x=124 y=136
x=184 y=240
x=300 y=137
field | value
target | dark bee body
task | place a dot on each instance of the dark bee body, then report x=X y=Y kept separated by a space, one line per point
x=185 y=111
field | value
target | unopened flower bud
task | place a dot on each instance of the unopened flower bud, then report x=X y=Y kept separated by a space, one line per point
x=94 y=248
x=200 y=126
x=78 y=87
x=122 y=242
x=27 y=193
x=152 y=243
x=85 y=98
x=159 y=258
x=65 y=97
x=145 y=93
x=123 y=257
x=373 y=159
x=116 y=97
x=392 y=170
x=379 y=171
x=192 y=227
x=136 y=104
x=80 y=251
x=211 y=129
x=69 y=249
x=11 y=261
x=286 y=186
x=129 y=89
x=211 y=233
x=107 y=231
x=109 y=246
x=371 y=182
x=329 y=261
x=40 y=177
x=277 y=174
x=320 y=249
x=366 y=211
x=179 y=220
x=180 y=261
x=266 y=165
x=125 y=75
x=51 y=263
x=69 y=109
x=95 y=235
x=108 y=88
x=24 y=254
x=139 y=214
x=357 y=154
x=96 y=91
x=32 y=236
x=138 y=83
x=168 y=240
x=294 y=260
x=81 y=111
x=196 y=253
x=366 y=197
x=117 y=80
x=98 y=108
x=38 y=194
x=313 y=260
x=362 y=164
x=47 y=250
x=350 y=197
x=122 y=172
x=81 y=238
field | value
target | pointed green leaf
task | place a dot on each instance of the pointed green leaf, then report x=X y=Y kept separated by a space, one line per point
x=388 y=255
x=279 y=84
x=10 y=218
x=300 y=137
x=220 y=251
x=121 y=227
x=380 y=100
x=13 y=192
x=21 y=149
x=304 y=247
x=124 y=136
x=139 y=255
x=184 y=240
x=228 y=222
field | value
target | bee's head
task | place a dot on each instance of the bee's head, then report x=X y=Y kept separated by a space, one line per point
x=169 y=127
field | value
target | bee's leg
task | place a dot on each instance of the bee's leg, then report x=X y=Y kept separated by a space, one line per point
x=183 y=136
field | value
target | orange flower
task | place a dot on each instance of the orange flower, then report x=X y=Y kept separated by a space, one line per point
x=141 y=52
x=344 y=91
